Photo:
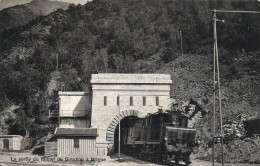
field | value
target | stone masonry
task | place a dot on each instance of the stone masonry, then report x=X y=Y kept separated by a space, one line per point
x=116 y=96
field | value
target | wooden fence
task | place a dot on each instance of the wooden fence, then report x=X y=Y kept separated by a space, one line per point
x=50 y=148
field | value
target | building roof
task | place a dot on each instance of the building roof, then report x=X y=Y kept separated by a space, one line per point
x=91 y=132
x=9 y=136
x=119 y=78
x=71 y=93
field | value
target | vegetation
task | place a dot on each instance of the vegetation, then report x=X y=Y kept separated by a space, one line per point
x=113 y=36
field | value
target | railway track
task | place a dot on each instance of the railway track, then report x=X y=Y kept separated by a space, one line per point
x=125 y=158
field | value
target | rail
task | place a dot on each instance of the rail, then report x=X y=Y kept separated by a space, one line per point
x=53 y=113
x=68 y=113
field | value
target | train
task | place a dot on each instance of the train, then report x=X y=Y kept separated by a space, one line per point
x=163 y=136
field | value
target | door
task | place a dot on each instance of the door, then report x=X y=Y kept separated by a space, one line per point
x=6 y=144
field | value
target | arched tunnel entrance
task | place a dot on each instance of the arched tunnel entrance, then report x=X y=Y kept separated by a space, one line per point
x=126 y=119
x=124 y=124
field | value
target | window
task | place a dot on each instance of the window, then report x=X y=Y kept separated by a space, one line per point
x=157 y=100
x=105 y=100
x=144 y=101
x=131 y=100
x=76 y=143
x=118 y=99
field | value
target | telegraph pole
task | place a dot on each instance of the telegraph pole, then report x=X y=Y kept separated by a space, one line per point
x=181 y=45
x=57 y=62
x=214 y=91
x=216 y=83
x=119 y=130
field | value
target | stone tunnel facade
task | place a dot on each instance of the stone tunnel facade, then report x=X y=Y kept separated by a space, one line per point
x=116 y=96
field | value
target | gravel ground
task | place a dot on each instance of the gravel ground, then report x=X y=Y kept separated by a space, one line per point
x=7 y=159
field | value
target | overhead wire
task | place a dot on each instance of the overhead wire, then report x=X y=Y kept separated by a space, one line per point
x=237 y=24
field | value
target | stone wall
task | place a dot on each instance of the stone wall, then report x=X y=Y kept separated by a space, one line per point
x=109 y=86
x=74 y=123
x=74 y=104
x=75 y=109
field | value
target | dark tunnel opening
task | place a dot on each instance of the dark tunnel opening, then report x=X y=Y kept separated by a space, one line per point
x=252 y=127
x=124 y=124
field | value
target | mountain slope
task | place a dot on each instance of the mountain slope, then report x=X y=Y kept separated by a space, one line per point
x=82 y=2
x=132 y=36
x=21 y=14
x=10 y=3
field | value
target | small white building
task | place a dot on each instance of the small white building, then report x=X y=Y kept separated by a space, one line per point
x=10 y=142
x=74 y=135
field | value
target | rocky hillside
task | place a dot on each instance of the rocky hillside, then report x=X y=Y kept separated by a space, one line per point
x=19 y=15
x=131 y=36
x=193 y=78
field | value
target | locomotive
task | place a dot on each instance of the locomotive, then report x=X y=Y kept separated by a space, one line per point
x=163 y=137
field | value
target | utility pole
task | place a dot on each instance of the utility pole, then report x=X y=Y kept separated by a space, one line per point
x=216 y=83
x=181 y=45
x=119 y=130
x=57 y=62
x=214 y=94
